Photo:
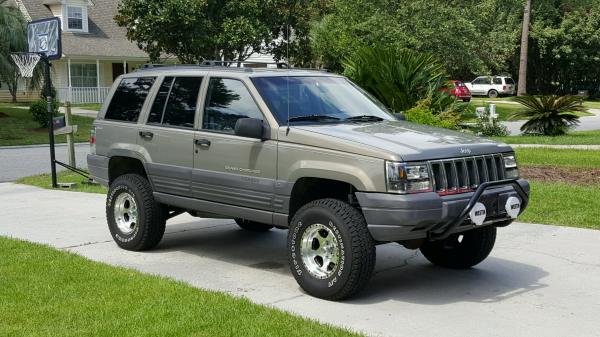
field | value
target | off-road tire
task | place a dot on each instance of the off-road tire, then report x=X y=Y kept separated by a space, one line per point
x=493 y=94
x=474 y=247
x=252 y=226
x=151 y=215
x=356 y=248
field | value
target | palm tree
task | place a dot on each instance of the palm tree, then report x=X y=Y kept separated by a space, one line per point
x=548 y=115
x=13 y=38
x=522 y=88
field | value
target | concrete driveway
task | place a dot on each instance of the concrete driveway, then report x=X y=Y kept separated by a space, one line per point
x=539 y=281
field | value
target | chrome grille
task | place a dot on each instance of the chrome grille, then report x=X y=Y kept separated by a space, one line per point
x=459 y=175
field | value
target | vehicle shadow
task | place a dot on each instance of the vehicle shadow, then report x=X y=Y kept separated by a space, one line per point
x=400 y=274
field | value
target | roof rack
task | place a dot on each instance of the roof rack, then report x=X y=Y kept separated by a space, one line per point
x=229 y=65
x=232 y=65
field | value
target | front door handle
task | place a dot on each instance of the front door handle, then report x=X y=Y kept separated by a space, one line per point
x=146 y=134
x=202 y=142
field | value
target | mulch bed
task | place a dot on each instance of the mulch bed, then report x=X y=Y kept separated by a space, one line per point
x=568 y=175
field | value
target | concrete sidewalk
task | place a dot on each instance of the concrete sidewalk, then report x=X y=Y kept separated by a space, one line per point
x=539 y=281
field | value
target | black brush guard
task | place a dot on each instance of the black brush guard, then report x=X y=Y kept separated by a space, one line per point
x=450 y=227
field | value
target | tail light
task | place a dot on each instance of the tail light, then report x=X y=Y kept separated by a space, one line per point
x=504 y=87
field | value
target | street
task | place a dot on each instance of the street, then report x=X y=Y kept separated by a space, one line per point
x=23 y=161
x=539 y=281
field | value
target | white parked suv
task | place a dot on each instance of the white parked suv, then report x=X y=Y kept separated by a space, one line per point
x=491 y=86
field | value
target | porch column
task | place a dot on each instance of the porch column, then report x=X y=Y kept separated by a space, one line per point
x=124 y=67
x=69 y=98
x=98 y=81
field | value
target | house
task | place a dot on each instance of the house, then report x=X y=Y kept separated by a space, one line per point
x=95 y=49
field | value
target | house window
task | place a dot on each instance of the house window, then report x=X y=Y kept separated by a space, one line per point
x=83 y=75
x=75 y=18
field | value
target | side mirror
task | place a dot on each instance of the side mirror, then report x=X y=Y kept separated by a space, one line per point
x=400 y=117
x=249 y=127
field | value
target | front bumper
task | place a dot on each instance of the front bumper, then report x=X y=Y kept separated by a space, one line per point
x=394 y=217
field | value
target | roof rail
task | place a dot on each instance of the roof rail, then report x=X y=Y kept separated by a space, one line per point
x=225 y=65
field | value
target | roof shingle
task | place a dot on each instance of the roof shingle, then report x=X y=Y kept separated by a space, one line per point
x=105 y=37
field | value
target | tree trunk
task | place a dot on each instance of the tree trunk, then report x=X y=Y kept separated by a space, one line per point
x=522 y=90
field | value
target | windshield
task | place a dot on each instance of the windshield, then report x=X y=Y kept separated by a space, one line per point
x=317 y=99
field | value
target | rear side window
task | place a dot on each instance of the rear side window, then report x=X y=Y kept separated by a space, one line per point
x=227 y=101
x=176 y=101
x=497 y=80
x=509 y=80
x=129 y=98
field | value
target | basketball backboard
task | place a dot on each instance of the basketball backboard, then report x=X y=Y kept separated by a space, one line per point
x=43 y=36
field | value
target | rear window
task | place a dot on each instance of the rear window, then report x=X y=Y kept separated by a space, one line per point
x=129 y=98
x=459 y=84
x=509 y=80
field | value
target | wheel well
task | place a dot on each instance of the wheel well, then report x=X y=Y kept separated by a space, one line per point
x=118 y=166
x=306 y=190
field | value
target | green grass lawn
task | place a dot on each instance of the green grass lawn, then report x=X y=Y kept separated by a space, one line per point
x=47 y=292
x=560 y=203
x=573 y=138
x=87 y=106
x=592 y=104
x=559 y=157
x=17 y=127
x=563 y=204
x=44 y=181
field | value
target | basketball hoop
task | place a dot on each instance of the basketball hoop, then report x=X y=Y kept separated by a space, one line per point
x=26 y=62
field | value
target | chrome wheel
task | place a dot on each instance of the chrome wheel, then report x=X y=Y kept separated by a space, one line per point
x=320 y=251
x=126 y=213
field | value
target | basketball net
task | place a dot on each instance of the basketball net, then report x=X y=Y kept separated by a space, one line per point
x=26 y=62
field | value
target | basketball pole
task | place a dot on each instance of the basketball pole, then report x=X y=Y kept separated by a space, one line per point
x=48 y=84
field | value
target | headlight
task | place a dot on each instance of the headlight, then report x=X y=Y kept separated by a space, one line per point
x=510 y=166
x=407 y=178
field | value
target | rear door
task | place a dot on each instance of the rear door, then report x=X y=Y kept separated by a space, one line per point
x=168 y=134
x=481 y=85
x=230 y=169
x=118 y=124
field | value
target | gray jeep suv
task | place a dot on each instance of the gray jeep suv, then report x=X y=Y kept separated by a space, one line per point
x=306 y=151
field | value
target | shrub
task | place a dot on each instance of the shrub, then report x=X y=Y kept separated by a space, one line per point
x=399 y=79
x=39 y=112
x=490 y=128
x=421 y=115
x=548 y=115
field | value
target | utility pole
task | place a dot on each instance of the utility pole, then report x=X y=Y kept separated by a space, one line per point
x=522 y=89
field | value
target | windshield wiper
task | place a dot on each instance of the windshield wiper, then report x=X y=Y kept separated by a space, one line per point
x=312 y=118
x=364 y=118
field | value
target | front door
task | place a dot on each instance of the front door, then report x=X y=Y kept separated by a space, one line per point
x=230 y=169
x=168 y=135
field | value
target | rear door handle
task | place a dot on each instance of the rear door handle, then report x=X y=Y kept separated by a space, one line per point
x=146 y=134
x=202 y=142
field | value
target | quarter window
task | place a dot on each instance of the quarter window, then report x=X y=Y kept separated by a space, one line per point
x=176 y=101
x=497 y=80
x=129 y=98
x=227 y=100
x=75 y=16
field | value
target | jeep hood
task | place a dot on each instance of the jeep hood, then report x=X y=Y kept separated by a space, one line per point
x=409 y=141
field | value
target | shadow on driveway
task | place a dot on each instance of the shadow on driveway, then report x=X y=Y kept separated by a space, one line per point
x=400 y=274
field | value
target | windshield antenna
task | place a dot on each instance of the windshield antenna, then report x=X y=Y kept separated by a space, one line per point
x=287 y=131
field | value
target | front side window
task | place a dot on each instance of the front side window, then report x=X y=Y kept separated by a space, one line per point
x=129 y=98
x=75 y=17
x=176 y=101
x=305 y=97
x=83 y=75
x=227 y=101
